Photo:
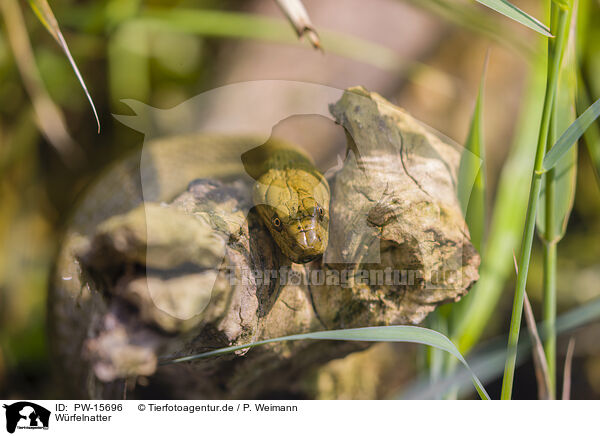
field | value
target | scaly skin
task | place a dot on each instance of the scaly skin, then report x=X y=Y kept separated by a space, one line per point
x=292 y=199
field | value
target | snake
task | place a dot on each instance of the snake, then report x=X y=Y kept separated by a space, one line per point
x=290 y=194
x=291 y=197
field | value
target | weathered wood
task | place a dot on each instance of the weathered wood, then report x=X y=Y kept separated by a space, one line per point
x=160 y=278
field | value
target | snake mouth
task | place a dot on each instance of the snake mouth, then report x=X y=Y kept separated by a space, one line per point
x=309 y=240
x=302 y=236
x=309 y=258
x=304 y=257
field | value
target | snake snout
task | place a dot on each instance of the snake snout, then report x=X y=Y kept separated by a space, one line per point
x=309 y=239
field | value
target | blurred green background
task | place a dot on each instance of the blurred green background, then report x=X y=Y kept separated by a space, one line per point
x=426 y=56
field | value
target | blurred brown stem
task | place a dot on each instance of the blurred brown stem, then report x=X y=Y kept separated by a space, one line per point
x=50 y=120
x=296 y=13
x=566 y=391
x=539 y=358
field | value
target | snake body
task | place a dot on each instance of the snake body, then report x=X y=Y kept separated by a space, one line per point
x=288 y=186
x=291 y=197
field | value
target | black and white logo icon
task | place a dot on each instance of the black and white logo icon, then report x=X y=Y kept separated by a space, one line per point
x=26 y=415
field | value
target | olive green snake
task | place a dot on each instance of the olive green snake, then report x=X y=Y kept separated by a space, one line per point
x=291 y=197
x=290 y=194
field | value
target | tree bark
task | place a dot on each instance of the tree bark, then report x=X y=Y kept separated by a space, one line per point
x=150 y=280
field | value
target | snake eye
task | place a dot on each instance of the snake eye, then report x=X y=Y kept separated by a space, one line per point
x=320 y=211
x=276 y=222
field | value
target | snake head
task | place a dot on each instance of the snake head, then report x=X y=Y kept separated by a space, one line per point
x=296 y=212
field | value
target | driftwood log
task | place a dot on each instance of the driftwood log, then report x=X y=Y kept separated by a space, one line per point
x=150 y=269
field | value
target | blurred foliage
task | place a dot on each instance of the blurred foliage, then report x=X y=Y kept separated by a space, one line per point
x=122 y=53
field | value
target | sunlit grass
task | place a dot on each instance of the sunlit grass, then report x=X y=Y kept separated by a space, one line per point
x=550 y=167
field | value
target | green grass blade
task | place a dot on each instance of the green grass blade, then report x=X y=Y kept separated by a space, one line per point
x=592 y=134
x=588 y=80
x=561 y=26
x=471 y=177
x=564 y=174
x=478 y=20
x=435 y=358
x=488 y=360
x=49 y=118
x=558 y=193
x=571 y=135
x=564 y=196
x=511 y=11
x=506 y=221
x=412 y=334
x=42 y=9
x=592 y=142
